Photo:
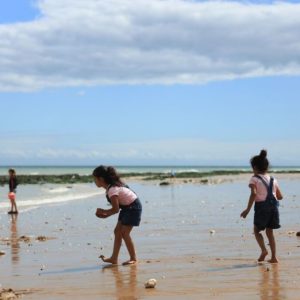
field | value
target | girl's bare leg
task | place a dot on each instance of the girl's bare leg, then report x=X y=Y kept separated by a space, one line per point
x=15 y=206
x=12 y=206
x=260 y=240
x=270 y=235
x=117 y=245
x=129 y=244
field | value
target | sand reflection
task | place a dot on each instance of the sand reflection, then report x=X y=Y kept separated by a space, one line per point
x=125 y=281
x=270 y=283
x=14 y=240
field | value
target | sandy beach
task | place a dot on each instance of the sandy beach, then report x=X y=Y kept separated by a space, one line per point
x=191 y=240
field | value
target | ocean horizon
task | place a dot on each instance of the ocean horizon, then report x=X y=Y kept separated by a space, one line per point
x=87 y=170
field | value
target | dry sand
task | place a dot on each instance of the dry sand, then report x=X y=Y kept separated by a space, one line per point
x=191 y=241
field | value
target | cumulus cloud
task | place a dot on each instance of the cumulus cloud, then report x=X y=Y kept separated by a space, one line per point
x=97 y=42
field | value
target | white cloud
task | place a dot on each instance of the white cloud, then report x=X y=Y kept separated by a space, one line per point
x=168 y=151
x=94 y=42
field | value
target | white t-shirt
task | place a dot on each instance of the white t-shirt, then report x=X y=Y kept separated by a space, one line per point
x=261 y=191
x=125 y=195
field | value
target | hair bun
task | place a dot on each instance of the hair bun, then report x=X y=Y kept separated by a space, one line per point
x=110 y=169
x=263 y=153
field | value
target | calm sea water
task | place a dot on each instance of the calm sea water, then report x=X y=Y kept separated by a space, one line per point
x=86 y=170
x=33 y=196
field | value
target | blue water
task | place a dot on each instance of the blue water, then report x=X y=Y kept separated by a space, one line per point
x=87 y=170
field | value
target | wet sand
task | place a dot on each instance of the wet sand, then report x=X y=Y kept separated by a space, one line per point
x=191 y=241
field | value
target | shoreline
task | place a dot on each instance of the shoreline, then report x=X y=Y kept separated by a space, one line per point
x=182 y=177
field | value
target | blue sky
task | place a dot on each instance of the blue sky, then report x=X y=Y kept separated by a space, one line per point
x=68 y=98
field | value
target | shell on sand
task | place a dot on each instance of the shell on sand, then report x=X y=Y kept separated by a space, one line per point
x=150 y=283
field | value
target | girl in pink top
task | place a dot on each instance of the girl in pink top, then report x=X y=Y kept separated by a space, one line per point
x=12 y=191
x=264 y=193
x=122 y=199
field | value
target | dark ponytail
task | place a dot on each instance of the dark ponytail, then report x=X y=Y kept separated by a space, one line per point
x=260 y=162
x=109 y=174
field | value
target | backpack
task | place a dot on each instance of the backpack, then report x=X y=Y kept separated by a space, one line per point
x=270 y=196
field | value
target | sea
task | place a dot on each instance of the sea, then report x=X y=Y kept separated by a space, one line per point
x=33 y=196
x=87 y=170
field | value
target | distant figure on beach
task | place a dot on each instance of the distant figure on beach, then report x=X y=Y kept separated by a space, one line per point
x=173 y=174
x=121 y=198
x=12 y=183
x=265 y=193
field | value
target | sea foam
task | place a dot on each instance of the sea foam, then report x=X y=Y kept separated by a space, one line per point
x=50 y=196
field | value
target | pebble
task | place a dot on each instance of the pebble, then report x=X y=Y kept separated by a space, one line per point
x=150 y=283
x=25 y=238
x=212 y=231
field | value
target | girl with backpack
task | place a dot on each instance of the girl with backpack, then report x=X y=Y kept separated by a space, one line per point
x=265 y=193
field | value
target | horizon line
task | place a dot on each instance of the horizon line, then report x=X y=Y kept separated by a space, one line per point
x=140 y=166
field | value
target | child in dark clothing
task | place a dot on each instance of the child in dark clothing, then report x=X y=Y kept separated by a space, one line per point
x=12 y=183
x=264 y=193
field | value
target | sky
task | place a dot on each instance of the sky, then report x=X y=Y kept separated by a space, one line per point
x=160 y=82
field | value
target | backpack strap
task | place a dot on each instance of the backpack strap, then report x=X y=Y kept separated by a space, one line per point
x=269 y=186
x=270 y=197
x=123 y=185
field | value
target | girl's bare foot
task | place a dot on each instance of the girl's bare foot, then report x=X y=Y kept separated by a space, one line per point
x=273 y=261
x=109 y=260
x=129 y=262
x=262 y=256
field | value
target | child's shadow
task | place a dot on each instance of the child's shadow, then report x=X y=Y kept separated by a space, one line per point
x=71 y=270
x=233 y=267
